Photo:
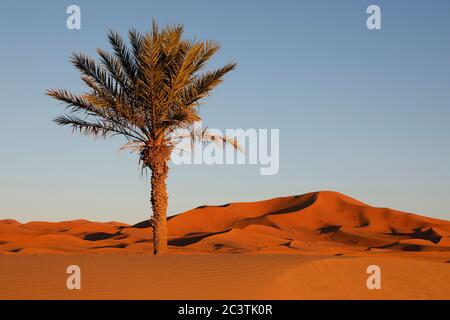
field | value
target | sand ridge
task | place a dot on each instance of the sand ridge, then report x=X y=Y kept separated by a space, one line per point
x=314 y=223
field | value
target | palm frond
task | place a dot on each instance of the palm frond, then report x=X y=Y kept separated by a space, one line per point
x=200 y=88
x=99 y=74
x=94 y=129
x=123 y=54
x=115 y=68
x=205 y=135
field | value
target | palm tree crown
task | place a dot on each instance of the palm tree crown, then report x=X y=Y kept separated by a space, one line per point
x=144 y=92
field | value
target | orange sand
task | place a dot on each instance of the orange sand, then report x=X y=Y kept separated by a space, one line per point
x=316 y=245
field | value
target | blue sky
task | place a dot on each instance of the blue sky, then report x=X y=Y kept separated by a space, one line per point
x=361 y=112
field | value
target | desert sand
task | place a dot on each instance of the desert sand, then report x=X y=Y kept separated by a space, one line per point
x=312 y=246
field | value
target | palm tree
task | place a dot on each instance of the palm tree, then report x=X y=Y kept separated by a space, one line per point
x=145 y=92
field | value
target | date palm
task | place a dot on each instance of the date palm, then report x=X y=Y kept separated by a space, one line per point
x=145 y=92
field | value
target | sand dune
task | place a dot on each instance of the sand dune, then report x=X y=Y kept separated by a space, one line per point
x=312 y=223
x=312 y=246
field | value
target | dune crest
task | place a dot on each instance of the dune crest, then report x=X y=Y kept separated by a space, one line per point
x=315 y=223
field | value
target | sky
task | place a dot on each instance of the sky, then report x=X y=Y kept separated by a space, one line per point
x=362 y=112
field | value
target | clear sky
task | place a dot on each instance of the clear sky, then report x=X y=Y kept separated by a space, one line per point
x=362 y=112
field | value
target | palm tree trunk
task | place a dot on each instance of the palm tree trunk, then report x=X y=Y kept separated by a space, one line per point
x=159 y=170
